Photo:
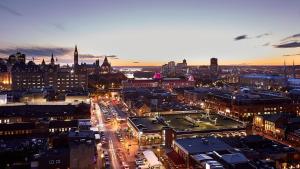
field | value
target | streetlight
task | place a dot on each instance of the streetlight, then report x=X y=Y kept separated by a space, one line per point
x=139 y=135
x=158 y=152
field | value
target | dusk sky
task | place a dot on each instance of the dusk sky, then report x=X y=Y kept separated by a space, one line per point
x=153 y=32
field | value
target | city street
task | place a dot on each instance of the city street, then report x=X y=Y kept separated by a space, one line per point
x=122 y=151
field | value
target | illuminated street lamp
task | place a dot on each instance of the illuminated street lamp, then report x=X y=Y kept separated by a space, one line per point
x=202 y=104
x=139 y=135
x=158 y=152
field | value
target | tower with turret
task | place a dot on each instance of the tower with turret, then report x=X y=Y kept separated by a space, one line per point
x=75 y=56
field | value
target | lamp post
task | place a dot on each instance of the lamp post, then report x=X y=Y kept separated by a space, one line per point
x=158 y=152
x=139 y=135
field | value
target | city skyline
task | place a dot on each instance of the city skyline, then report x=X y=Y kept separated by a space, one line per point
x=136 y=33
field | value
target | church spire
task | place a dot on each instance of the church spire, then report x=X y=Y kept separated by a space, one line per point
x=294 y=71
x=43 y=62
x=52 y=60
x=105 y=59
x=75 y=56
x=284 y=69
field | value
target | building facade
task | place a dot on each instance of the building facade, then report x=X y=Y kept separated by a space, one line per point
x=62 y=79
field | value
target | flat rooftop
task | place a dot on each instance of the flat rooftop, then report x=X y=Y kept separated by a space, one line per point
x=249 y=144
x=43 y=110
x=251 y=97
x=201 y=145
x=185 y=122
x=146 y=123
x=199 y=122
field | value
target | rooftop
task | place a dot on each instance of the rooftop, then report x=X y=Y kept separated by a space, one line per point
x=186 y=122
x=146 y=123
x=249 y=97
x=42 y=110
x=199 y=122
x=194 y=146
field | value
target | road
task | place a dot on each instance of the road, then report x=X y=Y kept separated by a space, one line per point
x=119 y=152
x=109 y=134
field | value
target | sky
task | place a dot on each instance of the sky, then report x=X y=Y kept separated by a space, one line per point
x=153 y=32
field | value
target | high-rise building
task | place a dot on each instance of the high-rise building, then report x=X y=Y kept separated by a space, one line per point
x=174 y=70
x=214 y=67
x=214 y=64
x=181 y=68
x=16 y=58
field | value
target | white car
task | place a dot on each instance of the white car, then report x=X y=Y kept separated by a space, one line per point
x=125 y=165
x=139 y=162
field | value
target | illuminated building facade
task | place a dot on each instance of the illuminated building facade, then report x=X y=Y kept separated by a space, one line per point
x=165 y=83
x=245 y=105
x=263 y=81
x=174 y=70
x=5 y=77
x=32 y=76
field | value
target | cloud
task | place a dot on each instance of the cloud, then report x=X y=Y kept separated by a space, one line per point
x=266 y=44
x=288 y=45
x=292 y=41
x=59 y=26
x=111 y=56
x=241 y=37
x=292 y=38
x=37 y=51
x=263 y=35
x=89 y=56
x=135 y=62
x=286 y=55
x=10 y=10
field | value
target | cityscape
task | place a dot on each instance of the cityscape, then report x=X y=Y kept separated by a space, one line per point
x=131 y=84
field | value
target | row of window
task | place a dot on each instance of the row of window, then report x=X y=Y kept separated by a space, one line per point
x=15 y=132
x=59 y=130
x=54 y=161
x=4 y=121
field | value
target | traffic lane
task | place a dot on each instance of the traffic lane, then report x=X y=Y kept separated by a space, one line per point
x=113 y=146
x=117 y=151
x=107 y=143
x=109 y=130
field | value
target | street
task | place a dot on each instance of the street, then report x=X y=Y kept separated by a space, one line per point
x=122 y=148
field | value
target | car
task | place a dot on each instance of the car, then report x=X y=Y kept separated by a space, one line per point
x=105 y=152
x=107 y=164
x=139 y=162
x=125 y=165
